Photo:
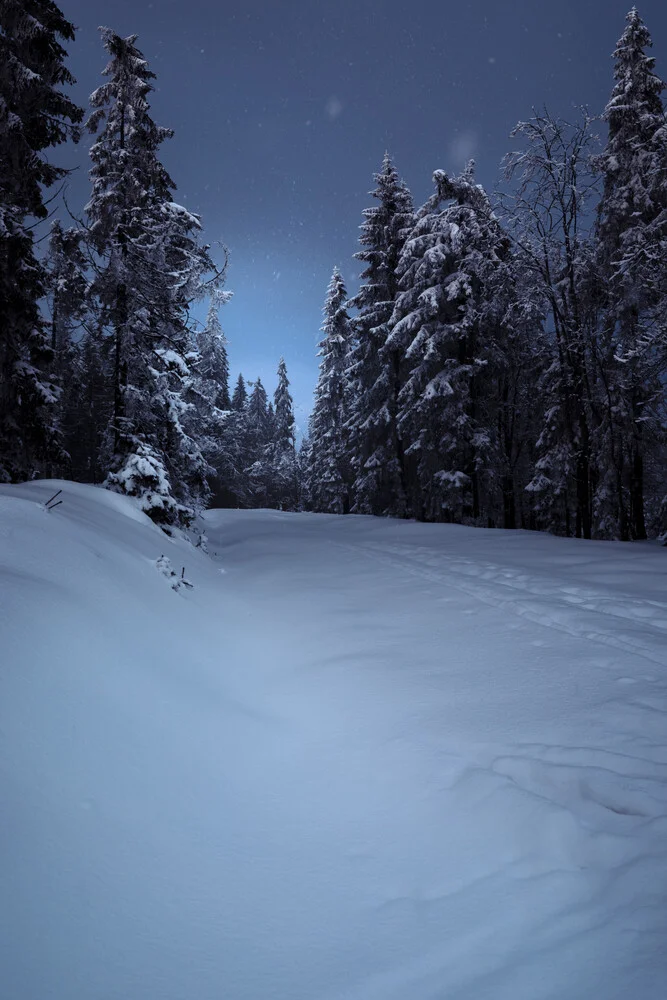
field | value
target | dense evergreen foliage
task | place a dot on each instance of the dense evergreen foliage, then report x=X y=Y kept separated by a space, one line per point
x=376 y=449
x=503 y=361
x=35 y=115
x=508 y=367
x=329 y=477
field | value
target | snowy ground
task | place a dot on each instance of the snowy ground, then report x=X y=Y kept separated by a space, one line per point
x=361 y=759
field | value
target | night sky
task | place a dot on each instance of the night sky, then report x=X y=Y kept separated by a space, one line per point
x=283 y=109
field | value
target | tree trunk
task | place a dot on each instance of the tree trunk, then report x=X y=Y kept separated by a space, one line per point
x=397 y=443
x=120 y=367
x=637 y=494
x=509 y=502
x=583 y=516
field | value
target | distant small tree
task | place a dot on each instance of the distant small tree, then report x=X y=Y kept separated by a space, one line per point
x=259 y=427
x=213 y=362
x=329 y=474
x=284 y=475
x=240 y=395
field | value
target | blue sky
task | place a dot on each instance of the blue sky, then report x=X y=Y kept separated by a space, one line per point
x=283 y=110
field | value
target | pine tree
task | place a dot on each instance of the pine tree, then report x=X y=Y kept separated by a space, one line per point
x=231 y=485
x=35 y=115
x=376 y=376
x=258 y=416
x=284 y=472
x=447 y=323
x=207 y=395
x=304 y=467
x=240 y=396
x=632 y=163
x=259 y=427
x=284 y=410
x=150 y=267
x=213 y=368
x=329 y=474
x=632 y=244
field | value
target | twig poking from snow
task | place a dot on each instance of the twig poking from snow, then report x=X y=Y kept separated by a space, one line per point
x=163 y=566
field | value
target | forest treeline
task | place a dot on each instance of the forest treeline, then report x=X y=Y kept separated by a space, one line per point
x=503 y=362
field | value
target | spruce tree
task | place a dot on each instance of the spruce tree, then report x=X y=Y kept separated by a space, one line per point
x=446 y=324
x=259 y=426
x=206 y=392
x=231 y=485
x=213 y=363
x=284 y=410
x=284 y=472
x=376 y=375
x=240 y=395
x=329 y=474
x=257 y=420
x=149 y=267
x=304 y=467
x=35 y=115
x=632 y=238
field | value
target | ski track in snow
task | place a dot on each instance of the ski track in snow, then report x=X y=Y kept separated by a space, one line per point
x=598 y=804
x=361 y=760
x=563 y=608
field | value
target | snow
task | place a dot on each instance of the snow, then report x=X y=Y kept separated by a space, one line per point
x=361 y=759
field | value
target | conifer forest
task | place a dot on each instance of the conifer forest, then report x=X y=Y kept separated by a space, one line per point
x=503 y=362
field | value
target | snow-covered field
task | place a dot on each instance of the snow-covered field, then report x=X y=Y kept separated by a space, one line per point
x=361 y=759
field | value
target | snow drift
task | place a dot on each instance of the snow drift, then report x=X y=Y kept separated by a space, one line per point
x=360 y=759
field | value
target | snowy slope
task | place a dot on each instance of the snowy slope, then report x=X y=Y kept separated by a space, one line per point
x=361 y=759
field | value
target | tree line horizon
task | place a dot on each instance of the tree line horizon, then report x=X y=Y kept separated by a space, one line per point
x=503 y=363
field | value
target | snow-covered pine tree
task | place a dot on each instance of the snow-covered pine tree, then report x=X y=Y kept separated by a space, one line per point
x=208 y=395
x=270 y=421
x=149 y=267
x=329 y=474
x=284 y=474
x=445 y=323
x=257 y=409
x=304 y=464
x=213 y=366
x=632 y=250
x=376 y=376
x=35 y=115
x=240 y=395
x=285 y=434
x=231 y=488
x=259 y=427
